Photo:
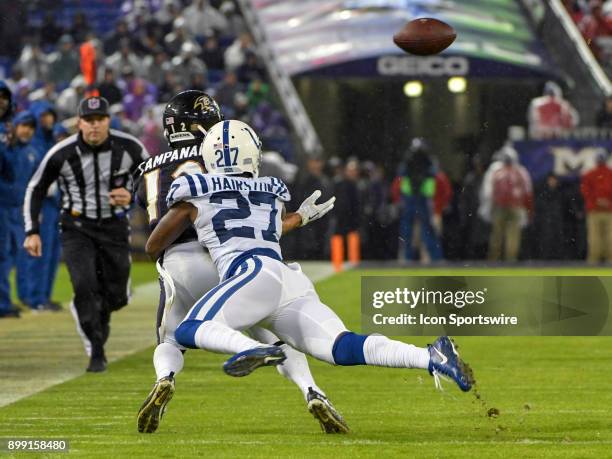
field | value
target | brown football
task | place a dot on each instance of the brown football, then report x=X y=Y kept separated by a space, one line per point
x=425 y=36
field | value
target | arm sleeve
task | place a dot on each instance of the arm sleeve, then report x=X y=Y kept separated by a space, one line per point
x=139 y=192
x=182 y=189
x=48 y=171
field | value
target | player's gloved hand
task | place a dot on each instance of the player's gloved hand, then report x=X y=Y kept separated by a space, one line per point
x=310 y=211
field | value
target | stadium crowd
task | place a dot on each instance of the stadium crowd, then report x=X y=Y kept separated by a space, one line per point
x=158 y=48
x=594 y=21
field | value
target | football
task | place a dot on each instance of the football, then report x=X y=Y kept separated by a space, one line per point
x=425 y=36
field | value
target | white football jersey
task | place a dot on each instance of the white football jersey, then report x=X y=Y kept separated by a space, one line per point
x=237 y=217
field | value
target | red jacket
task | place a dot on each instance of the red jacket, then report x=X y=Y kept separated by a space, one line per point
x=512 y=187
x=443 y=194
x=597 y=184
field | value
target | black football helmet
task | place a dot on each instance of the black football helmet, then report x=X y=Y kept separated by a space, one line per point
x=189 y=115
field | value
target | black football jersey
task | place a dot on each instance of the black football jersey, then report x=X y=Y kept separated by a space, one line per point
x=156 y=176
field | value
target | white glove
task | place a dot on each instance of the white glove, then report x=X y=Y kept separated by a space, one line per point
x=309 y=211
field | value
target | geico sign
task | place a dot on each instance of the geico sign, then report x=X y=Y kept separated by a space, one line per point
x=426 y=66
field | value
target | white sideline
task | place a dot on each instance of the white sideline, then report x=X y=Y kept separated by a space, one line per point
x=48 y=348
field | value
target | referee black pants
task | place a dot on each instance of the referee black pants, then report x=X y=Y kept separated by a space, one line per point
x=97 y=255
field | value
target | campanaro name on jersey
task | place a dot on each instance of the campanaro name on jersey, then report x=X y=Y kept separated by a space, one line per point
x=237 y=216
x=168 y=157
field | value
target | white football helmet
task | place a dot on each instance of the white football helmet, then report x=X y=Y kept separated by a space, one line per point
x=231 y=147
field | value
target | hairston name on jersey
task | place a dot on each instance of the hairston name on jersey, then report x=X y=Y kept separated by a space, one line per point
x=267 y=184
x=168 y=157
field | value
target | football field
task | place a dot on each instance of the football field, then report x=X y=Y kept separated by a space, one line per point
x=552 y=393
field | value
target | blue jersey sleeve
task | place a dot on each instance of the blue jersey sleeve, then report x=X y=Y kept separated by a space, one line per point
x=280 y=189
x=185 y=188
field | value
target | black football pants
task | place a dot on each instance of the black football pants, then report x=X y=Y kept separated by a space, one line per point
x=97 y=255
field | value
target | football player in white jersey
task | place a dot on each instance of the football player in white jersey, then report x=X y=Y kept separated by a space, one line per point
x=240 y=217
x=186 y=270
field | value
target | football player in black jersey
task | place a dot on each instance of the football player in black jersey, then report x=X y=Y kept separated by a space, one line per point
x=186 y=270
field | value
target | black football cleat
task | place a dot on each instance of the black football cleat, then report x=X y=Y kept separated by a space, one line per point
x=322 y=409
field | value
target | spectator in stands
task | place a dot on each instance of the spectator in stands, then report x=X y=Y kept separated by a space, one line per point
x=21 y=95
x=170 y=86
x=548 y=219
x=114 y=38
x=44 y=269
x=68 y=100
x=167 y=14
x=269 y=122
x=60 y=132
x=152 y=136
x=136 y=99
x=123 y=58
x=593 y=25
x=257 y=92
x=203 y=20
x=24 y=160
x=64 y=63
x=235 y=54
x=156 y=65
x=146 y=44
x=179 y=35
x=251 y=69
x=442 y=197
x=241 y=109
x=235 y=22
x=508 y=189
x=574 y=10
x=604 y=116
x=120 y=121
x=474 y=230
x=551 y=115
x=227 y=90
x=136 y=15
x=417 y=186
x=348 y=205
x=379 y=215
x=212 y=54
x=46 y=92
x=198 y=82
x=311 y=245
x=109 y=88
x=33 y=63
x=187 y=64
x=46 y=117
x=80 y=28
x=7 y=176
x=596 y=187
x=49 y=32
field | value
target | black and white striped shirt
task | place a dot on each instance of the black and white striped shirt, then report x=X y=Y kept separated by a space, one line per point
x=85 y=176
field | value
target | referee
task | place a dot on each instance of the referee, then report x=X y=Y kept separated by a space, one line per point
x=92 y=169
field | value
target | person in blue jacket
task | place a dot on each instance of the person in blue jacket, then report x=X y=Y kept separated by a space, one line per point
x=24 y=159
x=7 y=309
x=44 y=269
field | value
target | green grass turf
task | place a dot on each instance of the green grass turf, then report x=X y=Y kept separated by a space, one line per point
x=553 y=395
x=141 y=273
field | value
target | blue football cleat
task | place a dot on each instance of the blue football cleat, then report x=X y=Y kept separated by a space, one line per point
x=245 y=362
x=444 y=361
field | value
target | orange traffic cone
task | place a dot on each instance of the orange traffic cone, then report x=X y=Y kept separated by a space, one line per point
x=337 y=252
x=354 y=247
